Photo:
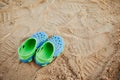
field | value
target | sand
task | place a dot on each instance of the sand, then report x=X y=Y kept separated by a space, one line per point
x=90 y=28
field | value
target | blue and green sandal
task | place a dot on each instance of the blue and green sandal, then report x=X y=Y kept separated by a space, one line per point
x=28 y=48
x=52 y=48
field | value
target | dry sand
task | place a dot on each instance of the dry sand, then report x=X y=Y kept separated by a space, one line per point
x=90 y=28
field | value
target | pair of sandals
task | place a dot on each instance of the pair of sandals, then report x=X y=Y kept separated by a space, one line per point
x=41 y=48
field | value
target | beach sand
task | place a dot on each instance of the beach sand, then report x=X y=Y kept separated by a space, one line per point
x=90 y=28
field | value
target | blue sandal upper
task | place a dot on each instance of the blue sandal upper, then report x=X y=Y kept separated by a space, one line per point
x=41 y=37
x=58 y=44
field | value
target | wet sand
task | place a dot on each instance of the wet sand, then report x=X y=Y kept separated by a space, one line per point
x=90 y=28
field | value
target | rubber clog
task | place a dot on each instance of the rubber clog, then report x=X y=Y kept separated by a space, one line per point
x=28 y=48
x=52 y=48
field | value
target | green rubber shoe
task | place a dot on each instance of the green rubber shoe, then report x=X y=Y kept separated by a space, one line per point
x=49 y=50
x=28 y=48
x=44 y=54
